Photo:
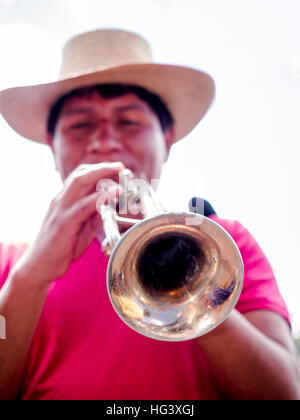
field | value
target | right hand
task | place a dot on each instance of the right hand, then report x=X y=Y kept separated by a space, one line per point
x=72 y=221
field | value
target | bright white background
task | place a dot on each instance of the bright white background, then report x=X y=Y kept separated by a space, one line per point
x=243 y=157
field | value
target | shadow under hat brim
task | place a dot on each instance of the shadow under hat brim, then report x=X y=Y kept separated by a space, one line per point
x=187 y=93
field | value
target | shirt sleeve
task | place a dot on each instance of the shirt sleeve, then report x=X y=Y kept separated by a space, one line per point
x=260 y=289
x=9 y=255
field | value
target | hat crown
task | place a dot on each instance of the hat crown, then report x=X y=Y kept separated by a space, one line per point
x=101 y=49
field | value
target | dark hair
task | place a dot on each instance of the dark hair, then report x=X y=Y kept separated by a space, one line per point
x=113 y=91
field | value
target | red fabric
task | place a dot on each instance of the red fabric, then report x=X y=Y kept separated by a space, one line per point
x=81 y=349
x=260 y=289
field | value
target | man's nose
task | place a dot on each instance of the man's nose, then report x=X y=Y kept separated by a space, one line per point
x=104 y=139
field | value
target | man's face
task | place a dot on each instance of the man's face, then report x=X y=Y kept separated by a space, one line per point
x=124 y=129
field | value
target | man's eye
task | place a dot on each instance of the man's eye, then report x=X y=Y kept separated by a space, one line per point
x=129 y=122
x=80 y=125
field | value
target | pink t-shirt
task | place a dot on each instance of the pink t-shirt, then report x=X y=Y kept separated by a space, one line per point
x=81 y=350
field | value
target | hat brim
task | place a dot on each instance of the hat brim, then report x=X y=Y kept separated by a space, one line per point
x=187 y=93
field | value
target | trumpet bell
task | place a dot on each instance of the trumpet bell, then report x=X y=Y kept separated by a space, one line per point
x=175 y=276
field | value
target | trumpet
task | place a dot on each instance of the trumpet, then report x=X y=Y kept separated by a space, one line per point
x=172 y=276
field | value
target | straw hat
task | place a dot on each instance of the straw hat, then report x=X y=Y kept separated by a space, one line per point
x=110 y=56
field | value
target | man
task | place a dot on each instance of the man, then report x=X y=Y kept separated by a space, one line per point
x=115 y=108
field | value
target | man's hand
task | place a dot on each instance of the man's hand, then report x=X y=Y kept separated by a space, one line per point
x=69 y=226
x=71 y=222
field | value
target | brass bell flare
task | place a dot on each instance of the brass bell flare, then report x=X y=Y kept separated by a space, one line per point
x=174 y=276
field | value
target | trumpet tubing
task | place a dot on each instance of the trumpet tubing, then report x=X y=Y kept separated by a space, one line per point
x=172 y=276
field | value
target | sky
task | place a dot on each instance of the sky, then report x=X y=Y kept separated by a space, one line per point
x=243 y=157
